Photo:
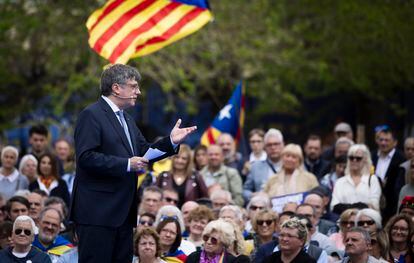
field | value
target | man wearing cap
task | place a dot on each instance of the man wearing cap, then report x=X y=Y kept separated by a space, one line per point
x=24 y=230
x=341 y=130
x=387 y=160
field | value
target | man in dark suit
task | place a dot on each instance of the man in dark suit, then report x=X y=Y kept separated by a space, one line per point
x=387 y=161
x=109 y=149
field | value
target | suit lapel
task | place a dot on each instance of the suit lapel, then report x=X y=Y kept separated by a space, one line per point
x=115 y=124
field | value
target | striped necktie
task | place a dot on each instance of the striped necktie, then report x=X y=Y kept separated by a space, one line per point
x=125 y=126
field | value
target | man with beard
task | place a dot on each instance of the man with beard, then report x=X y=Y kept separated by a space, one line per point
x=313 y=160
x=48 y=239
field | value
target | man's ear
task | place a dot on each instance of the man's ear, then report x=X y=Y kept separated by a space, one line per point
x=115 y=88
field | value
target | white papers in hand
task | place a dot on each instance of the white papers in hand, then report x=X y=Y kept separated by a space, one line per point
x=152 y=154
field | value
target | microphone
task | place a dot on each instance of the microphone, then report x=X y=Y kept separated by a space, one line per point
x=125 y=98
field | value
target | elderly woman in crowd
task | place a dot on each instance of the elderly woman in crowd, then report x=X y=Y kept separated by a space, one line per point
x=28 y=167
x=13 y=180
x=189 y=184
x=198 y=220
x=265 y=225
x=292 y=178
x=147 y=248
x=49 y=179
x=399 y=229
x=358 y=185
x=346 y=222
x=257 y=203
x=369 y=219
x=292 y=239
x=218 y=237
x=24 y=230
x=169 y=231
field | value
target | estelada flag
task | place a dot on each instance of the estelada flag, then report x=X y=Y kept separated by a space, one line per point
x=229 y=120
x=124 y=29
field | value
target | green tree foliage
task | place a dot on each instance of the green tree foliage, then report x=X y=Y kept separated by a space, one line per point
x=285 y=51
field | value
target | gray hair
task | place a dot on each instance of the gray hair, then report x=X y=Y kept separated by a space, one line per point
x=235 y=209
x=221 y=193
x=263 y=199
x=273 y=133
x=367 y=162
x=225 y=230
x=371 y=213
x=25 y=218
x=117 y=73
x=9 y=148
x=344 y=140
x=170 y=211
x=46 y=209
x=408 y=140
x=364 y=233
x=27 y=157
x=57 y=200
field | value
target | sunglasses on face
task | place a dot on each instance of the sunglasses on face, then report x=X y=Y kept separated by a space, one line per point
x=213 y=240
x=347 y=223
x=18 y=231
x=254 y=208
x=366 y=223
x=262 y=222
x=355 y=158
x=171 y=200
x=146 y=223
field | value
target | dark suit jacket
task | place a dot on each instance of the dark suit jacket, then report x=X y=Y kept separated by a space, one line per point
x=394 y=181
x=104 y=193
x=61 y=190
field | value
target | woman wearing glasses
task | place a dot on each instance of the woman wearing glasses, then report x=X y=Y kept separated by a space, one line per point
x=169 y=231
x=264 y=225
x=218 y=237
x=358 y=185
x=399 y=229
x=183 y=178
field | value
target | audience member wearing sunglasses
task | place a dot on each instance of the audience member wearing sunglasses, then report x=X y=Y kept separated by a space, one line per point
x=369 y=219
x=22 y=237
x=358 y=184
x=145 y=220
x=265 y=225
x=218 y=237
x=346 y=221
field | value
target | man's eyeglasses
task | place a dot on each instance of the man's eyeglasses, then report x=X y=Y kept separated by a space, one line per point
x=262 y=222
x=146 y=223
x=255 y=141
x=355 y=158
x=18 y=231
x=366 y=223
x=254 y=208
x=131 y=86
x=213 y=240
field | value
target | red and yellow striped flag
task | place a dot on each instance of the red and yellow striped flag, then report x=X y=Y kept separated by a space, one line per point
x=124 y=29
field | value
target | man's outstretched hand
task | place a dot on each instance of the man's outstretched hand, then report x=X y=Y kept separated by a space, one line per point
x=179 y=134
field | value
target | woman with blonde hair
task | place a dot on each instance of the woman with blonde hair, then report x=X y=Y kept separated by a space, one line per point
x=292 y=178
x=183 y=178
x=358 y=185
x=346 y=221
